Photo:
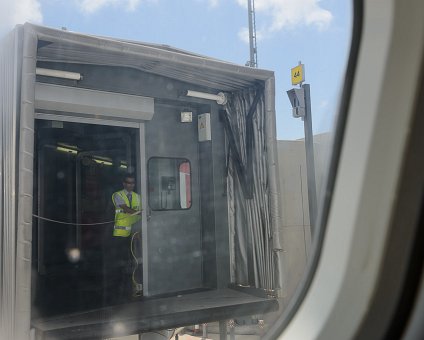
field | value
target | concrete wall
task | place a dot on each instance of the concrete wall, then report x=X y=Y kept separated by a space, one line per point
x=296 y=229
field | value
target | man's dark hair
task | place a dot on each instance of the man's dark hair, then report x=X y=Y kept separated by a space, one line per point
x=126 y=176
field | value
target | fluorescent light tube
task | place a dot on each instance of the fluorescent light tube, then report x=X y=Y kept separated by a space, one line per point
x=100 y=161
x=220 y=98
x=58 y=74
x=63 y=149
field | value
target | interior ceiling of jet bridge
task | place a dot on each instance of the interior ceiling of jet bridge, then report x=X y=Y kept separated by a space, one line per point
x=63 y=46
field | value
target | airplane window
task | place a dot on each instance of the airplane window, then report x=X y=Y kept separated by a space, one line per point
x=165 y=179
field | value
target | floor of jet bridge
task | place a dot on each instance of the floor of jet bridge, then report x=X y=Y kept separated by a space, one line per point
x=150 y=314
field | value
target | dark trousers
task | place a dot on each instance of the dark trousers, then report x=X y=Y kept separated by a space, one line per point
x=119 y=269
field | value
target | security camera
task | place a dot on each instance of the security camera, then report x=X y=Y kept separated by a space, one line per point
x=297 y=101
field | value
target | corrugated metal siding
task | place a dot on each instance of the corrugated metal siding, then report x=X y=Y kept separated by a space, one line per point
x=63 y=46
x=25 y=188
x=254 y=226
x=273 y=184
x=176 y=69
x=9 y=98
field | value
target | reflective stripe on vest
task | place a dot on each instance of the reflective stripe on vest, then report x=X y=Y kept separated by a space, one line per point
x=123 y=221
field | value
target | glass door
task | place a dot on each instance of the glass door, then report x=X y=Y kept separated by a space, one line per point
x=78 y=168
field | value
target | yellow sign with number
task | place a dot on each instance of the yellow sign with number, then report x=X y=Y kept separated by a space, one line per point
x=298 y=74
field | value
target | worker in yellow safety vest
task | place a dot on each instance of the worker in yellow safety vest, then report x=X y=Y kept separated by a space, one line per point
x=127 y=213
x=127 y=205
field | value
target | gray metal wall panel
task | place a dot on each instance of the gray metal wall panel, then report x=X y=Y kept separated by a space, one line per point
x=215 y=231
x=9 y=98
x=220 y=199
x=74 y=118
x=92 y=103
x=174 y=236
x=207 y=212
x=124 y=80
x=274 y=186
x=25 y=188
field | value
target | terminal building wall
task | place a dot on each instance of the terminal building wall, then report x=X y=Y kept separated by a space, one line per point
x=294 y=209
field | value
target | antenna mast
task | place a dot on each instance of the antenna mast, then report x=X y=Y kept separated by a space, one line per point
x=253 y=62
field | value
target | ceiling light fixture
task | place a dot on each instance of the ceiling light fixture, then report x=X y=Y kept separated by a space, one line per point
x=68 y=150
x=57 y=74
x=220 y=98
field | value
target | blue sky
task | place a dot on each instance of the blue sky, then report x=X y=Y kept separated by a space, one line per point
x=312 y=31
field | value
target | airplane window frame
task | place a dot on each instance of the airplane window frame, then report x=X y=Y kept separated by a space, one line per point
x=393 y=233
x=385 y=129
x=323 y=211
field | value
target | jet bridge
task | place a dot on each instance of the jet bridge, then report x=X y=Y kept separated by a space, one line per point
x=80 y=112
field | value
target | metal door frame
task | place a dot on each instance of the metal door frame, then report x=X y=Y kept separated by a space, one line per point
x=140 y=161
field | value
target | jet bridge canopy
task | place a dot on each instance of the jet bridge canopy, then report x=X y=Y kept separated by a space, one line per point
x=233 y=209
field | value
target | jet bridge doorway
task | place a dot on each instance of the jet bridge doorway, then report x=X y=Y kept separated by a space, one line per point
x=78 y=167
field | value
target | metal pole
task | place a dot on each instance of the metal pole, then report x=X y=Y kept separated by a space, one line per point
x=222 y=330
x=232 y=333
x=250 y=18
x=232 y=326
x=310 y=159
x=205 y=331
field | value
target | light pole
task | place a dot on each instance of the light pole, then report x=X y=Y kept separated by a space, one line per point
x=300 y=99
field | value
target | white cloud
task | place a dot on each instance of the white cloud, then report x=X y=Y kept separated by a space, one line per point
x=18 y=12
x=210 y=3
x=91 y=6
x=213 y=3
x=243 y=35
x=132 y=4
x=292 y=13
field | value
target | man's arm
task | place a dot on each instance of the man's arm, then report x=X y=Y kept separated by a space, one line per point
x=119 y=202
x=128 y=210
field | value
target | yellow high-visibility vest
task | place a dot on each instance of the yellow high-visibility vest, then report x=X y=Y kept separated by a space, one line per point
x=124 y=221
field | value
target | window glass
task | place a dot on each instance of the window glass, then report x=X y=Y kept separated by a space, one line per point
x=169 y=183
x=74 y=180
x=131 y=203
